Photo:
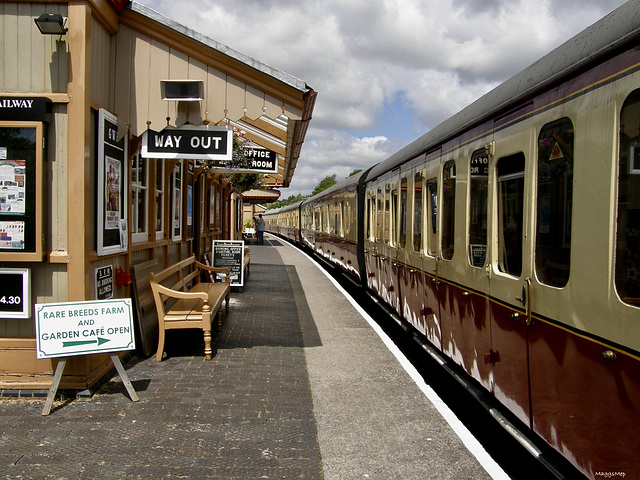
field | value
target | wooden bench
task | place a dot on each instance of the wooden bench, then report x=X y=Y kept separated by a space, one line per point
x=188 y=303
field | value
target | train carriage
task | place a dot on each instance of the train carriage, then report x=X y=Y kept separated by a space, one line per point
x=509 y=237
x=524 y=284
x=329 y=224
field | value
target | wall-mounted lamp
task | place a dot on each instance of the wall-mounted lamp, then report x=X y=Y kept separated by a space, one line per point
x=51 y=24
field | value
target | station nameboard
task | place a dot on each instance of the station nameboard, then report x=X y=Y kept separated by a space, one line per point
x=16 y=109
x=81 y=328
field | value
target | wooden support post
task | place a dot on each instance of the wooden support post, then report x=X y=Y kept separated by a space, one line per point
x=124 y=377
x=54 y=386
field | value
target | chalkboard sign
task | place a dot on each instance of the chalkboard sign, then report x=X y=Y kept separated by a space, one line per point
x=229 y=254
x=15 y=293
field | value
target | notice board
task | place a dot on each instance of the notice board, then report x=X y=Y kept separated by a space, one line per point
x=82 y=328
x=229 y=254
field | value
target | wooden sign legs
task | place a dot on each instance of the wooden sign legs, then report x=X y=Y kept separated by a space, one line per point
x=58 y=376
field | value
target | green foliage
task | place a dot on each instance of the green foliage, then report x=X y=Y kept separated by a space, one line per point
x=246 y=181
x=326 y=182
x=287 y=201
x=240 y=180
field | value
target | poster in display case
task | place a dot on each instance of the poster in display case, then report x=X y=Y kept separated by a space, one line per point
x=112 y=181
x=20 y=191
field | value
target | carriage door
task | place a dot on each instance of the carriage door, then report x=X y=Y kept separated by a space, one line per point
x=389 y=247
x=373 y=233
x=430 y=230
x=510 y=285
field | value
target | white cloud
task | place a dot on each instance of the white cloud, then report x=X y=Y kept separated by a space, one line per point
x=365 y=58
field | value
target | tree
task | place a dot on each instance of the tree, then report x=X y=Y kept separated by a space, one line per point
x=287 y=201
x=325 y=183
x=354 y=172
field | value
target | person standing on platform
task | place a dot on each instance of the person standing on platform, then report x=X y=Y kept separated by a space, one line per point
x=260 y=229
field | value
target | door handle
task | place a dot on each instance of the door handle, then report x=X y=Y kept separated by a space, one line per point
x=527 y=293
x=525 y=298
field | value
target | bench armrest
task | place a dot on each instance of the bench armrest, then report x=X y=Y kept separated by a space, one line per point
x=180 y=295
x=215 y=269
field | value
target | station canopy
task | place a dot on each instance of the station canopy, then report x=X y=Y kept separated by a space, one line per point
x=257 y=197
x=268 y=108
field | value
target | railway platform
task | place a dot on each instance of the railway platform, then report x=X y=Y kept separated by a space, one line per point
x=301 y=386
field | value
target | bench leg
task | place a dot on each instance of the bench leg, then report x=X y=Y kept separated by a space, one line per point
x=208 y=353
x=226 y=302
x=160 y=345
x=219 y=320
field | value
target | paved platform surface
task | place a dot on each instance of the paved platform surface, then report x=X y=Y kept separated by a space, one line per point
x=300 y=387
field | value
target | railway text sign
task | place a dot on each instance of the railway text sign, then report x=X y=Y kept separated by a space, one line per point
x=80 y=328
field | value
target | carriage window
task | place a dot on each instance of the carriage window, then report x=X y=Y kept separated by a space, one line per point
x=393 y=225
x=432 y=227
x=317 y=218
x=370 y=217
x=554 y=202
x=403 y=213
x=379 y=200
x=326 y=218
x=385 y=225
x=417 y=213
x=478 y=185
x=348 y=218
x=448 y=209
x=337 y=219
x=510 y=213
x=628 y=228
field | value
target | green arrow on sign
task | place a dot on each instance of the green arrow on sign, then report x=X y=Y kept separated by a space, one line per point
x=99 y=341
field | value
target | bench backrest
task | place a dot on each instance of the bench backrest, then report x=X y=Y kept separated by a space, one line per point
x=185 y=272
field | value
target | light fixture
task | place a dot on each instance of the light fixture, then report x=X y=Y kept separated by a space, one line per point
x=51 y=24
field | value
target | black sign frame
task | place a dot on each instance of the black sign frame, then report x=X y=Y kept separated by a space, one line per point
x=230 y=254
x=24 y=109
x=21 y=229
x=112 y=187
x=259 y=160
x=193 y=142
x=15 y=292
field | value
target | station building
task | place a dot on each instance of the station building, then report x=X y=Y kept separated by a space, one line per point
x=117 y=141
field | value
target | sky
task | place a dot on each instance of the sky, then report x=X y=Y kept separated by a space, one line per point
x=386 y=71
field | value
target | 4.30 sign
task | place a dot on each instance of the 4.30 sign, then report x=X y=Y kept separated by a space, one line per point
x=15 y=293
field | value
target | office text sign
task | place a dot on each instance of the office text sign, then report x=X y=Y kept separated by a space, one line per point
x=260 y=160
x=80 y=328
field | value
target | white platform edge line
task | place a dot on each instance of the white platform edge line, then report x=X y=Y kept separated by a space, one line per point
x=477 y=450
